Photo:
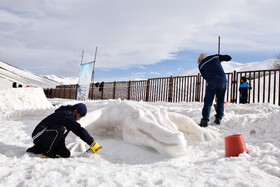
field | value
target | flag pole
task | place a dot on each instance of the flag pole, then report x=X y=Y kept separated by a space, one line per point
x=92 y=78
x=82 y=57
x=219 y=44
x=78 y=88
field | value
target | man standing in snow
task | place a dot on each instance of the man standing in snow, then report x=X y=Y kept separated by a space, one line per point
x=216 y=82
x=49 y=135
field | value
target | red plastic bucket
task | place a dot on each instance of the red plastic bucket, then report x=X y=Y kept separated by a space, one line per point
x=234 y=145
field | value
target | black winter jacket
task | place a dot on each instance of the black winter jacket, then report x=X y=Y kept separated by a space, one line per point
x=211 y=68
x=63 y=116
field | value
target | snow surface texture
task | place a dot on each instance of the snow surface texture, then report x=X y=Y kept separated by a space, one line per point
x=13 y=101
x=137 y=123
x=135 y=161
x=145 y=125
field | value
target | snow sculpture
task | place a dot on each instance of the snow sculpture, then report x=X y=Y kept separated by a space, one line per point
x=143 y=125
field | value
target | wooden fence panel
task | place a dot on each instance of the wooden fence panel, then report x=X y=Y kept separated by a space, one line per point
x=121 y=90
x=138 y=90
x=158 y=89
x=95 y=94
x=108 y=90
x=265 y=88
x=184 y=89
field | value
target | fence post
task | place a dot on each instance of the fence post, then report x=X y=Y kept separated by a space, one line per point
x=50 y=93
x=76 y=91
x=128 y=91
x=102 y=91
x=147 y=90
x=114 y=90
x=64 y=91
x=170 y=91
x=234 y=87
x=90 y=91
x=197 y=86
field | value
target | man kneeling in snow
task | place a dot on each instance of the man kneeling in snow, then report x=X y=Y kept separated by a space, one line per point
x=49 y=135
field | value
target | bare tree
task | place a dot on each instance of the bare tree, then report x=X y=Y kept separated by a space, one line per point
x=276 y=64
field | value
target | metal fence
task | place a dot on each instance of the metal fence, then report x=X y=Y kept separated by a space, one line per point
x=265 y=88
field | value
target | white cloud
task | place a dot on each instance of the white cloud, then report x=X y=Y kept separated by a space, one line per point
x=169 y=74
x=52 y=34
x=140 y=73
x=154 y=73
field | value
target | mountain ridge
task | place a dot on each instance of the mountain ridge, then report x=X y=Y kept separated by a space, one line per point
x=10 y=74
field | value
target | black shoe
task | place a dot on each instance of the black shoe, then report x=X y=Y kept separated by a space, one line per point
x=217 y=121
x=204 y=122
x=34 y=149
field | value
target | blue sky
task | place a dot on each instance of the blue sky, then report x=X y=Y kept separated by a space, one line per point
x=135 y=39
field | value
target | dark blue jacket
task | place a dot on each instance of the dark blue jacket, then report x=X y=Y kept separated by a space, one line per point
x=211 y=68
x=244 y=87
x=64 y=116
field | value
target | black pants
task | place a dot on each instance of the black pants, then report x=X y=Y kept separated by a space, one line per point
x=243 y=100
x=52 y=141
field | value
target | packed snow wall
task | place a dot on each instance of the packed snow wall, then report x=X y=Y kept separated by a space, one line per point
x=15 y=100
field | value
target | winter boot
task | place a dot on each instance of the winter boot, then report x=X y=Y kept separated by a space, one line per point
x=50 y=155
x=204 y=122
x=34 y=149
x=217 y=121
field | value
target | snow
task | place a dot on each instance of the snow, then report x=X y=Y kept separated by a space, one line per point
x=144 y=144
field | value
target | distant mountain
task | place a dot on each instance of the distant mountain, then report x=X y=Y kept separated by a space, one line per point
x=63 y=80
x=231 y=66
x=10 y=74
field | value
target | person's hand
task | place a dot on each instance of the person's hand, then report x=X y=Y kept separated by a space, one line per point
x=96 y=148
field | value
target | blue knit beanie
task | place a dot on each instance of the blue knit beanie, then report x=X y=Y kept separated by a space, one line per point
x=81 y=108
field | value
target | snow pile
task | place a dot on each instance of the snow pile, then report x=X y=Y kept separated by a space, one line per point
x=144 y=125
x=15 y=100
x=134 y=136
x=135 y=122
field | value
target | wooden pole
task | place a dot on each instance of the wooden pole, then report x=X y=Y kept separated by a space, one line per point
x=219 y=44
